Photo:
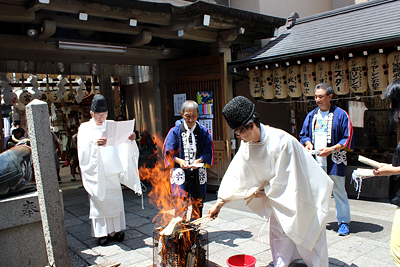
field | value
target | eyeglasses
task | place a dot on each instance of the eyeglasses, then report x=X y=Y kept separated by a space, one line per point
x=100 y=115
x=237 y=133
x=320 y=96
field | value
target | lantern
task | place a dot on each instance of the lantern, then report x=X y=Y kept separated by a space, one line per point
x=10 y=97
x=308 y=79
x=267 y=84
x=25 y=97
x=293 y=81
x=43 y=97
x=393 y=61
x=323 y=72
x=358 y=79
x=53 y=97
x=340 y=77
x=377 y=72
x=254 y=83
x=69 y=96
x=280 y=83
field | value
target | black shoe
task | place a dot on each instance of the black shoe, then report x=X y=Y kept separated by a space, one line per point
x=119 y=236
x=103 y=241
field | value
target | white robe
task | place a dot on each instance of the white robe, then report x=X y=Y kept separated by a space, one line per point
x=297 y=189
x=103 y=169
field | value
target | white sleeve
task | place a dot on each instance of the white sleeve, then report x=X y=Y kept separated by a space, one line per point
x=91 y=165
x=129 y=157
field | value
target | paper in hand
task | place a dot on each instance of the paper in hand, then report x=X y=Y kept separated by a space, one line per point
x=364 y=173
x=369 y=162
x=198 y=165
x=117 y=132
x=315 y=152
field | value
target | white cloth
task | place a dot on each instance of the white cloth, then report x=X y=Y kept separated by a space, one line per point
x=190 y=145
x=103 y=168
x=284 y=250
x=297 y=189
x=321 y=133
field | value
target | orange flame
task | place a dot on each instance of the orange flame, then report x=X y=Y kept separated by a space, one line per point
x=161 y=196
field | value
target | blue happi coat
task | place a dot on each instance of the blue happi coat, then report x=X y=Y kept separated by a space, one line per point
x=173 y=148
x=342 y=133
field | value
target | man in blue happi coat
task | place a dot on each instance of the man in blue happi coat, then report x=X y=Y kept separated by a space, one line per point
x=188 y=150
x=328 y=132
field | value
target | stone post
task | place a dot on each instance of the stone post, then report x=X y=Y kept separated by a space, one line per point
x=50 y=203
x=106 y=89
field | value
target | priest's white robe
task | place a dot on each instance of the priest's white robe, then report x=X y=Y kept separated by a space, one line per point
x=103 y=169
x=297 y=189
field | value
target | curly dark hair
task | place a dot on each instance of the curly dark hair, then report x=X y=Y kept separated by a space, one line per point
x=392 y=92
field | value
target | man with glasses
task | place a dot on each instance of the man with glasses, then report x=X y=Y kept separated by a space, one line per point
x=103 y=168
x=327 y=131
x=281 y=182
x=188 y=150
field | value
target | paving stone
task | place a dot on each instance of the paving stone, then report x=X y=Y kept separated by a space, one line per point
x=76 y=229
x=76 y=261
x=128 y=258
x=235 y=231
x=230 y=226
x=147 y=229
x=133 y=220
x=110 y=250
x=80 y=248
x=221 y=256
x=72 y=222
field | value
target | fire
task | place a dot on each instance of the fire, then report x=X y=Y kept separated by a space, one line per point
x=161 y=196
x=177 y=242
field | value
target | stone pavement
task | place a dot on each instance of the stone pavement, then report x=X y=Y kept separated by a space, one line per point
x=235 y=231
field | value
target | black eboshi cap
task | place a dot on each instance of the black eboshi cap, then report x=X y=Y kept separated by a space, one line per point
x=99 y=104
x=238 y=111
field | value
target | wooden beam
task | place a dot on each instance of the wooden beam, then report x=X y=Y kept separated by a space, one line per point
x=28 y=49
x=198 y=35
x=116 y=27
x=91 y=24
x=190 y=23
x=231 y=35
x=106 y=26
x=49 y=28
x=142 y=39
x=12 y=13
x=35 y=5
x=107 y=11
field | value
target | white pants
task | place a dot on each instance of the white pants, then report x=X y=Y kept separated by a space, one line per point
x=284 y=250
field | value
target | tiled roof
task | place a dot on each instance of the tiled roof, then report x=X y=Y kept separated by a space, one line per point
x=354 y=26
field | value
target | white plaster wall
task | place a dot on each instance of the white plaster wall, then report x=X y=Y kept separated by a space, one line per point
x=282 y=8
x=343 y=3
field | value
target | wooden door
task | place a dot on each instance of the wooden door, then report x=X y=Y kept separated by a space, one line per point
x=189 y=76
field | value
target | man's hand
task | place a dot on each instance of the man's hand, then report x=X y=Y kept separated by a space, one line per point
x=182 y=163
x=386 y=170
x=132 y=137
x=102 y=141
x=214 y=210
x=325 y=152
x=259 y=194
x=309 y=145
x=197 y=161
